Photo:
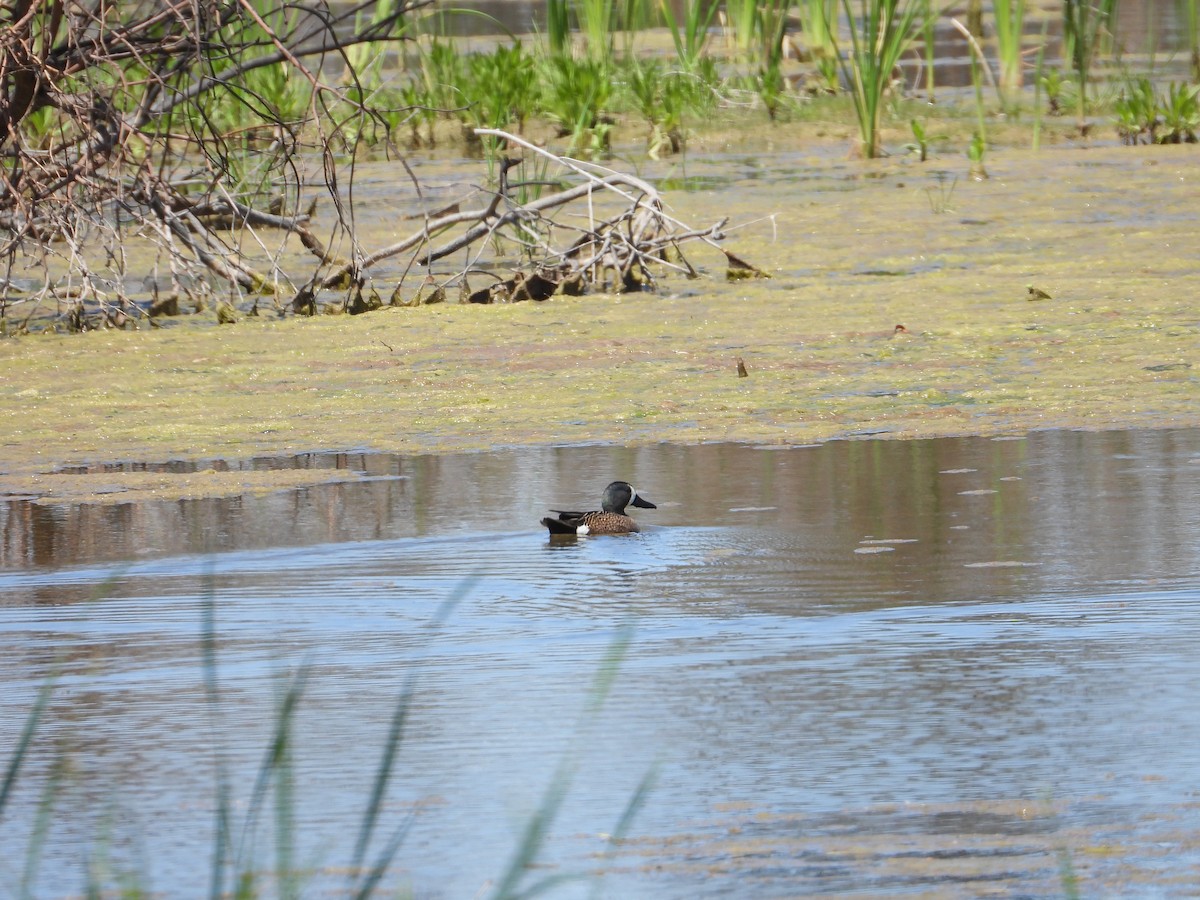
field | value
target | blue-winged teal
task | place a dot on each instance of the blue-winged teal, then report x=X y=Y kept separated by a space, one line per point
x=609 y=519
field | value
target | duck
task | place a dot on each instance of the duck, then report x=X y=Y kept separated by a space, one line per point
x=609 y=519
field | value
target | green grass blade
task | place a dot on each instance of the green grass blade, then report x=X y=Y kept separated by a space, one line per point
x=41 y=824
x=223 y=832
x=539 y=823
x=26 y=738
x=367 y=888
x=383 y=773
x=276 y=756
x=625 y=822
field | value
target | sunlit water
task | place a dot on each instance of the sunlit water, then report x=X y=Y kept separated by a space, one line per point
x=937 y=668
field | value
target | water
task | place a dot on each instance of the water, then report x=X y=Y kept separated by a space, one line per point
x=938 y=668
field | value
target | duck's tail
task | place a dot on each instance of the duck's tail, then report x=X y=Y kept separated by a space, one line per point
x=558 y=526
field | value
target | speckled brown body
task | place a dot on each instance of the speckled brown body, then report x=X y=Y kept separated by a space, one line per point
x=609 y=519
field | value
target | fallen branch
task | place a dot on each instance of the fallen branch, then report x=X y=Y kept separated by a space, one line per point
x=563 y=249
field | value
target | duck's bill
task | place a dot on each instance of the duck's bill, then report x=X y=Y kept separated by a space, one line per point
x=643 y=503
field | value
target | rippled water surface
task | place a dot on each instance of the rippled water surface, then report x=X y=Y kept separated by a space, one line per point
x=938 y=668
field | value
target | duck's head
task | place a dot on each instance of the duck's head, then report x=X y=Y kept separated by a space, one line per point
x=620 y=494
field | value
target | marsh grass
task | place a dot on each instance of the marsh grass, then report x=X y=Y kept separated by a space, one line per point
x=977 y=149
x=1009 y=26
x=877 y=41
x=1085 y=25
x=1038 y=83
x=772 y=26
x=818 y=25
x=929 y=40
x=597 y=23
x=558 y=27
x=1189 y=16
x=576 y=96
x=742 y=20
x=594 y=98
x=690 y=36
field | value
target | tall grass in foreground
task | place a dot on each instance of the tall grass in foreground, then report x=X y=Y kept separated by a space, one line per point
x=235 y=869
x=877 y=41
x=49 y=793
x=512 y=884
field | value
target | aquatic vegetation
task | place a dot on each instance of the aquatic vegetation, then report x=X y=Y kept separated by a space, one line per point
x=691 y=35
x=743 y=21
x=941 y=193
x=1039 y=70
x=662 y=97
x=1189 y=14
x=1009 y=21
x=558 y=27
x=818 y=25
x=770 y=83
x=514 y=881
x=1180 y=114
x=1060 y=90
x=1137 y=112
x=258 y=112
x=442 y=74
x=976 y=152
x=576 y=94
x=503 y=87
x=920 y=144
x=929 y=42
x=877 y=40
x=977 y=149
x=19 y=754
x=597 y=24
x=1145 y=116
x=1084 y=25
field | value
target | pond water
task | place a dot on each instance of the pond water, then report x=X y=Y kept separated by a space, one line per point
x=941 y=668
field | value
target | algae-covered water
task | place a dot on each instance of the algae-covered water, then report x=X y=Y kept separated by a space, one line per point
x=853 y=248
x=941 y=668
